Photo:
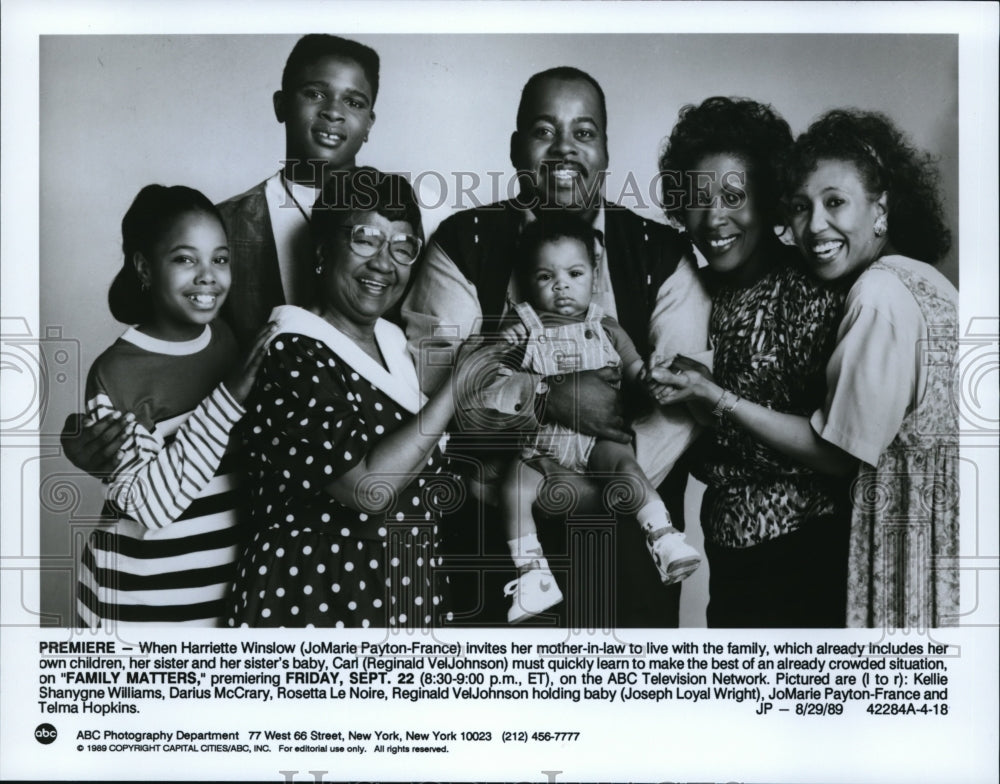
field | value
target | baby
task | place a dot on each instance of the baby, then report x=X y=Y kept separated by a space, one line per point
x=562 y=331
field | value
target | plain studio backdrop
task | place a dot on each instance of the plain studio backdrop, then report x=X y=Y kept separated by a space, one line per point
x=120 y=112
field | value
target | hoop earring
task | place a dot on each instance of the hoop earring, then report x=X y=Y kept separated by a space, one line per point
x=881 y=225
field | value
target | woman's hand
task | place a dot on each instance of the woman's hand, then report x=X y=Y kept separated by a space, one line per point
x=490 y=390
x=241 y=379
x=683 y=363
x=682 y=381
x=655 y=370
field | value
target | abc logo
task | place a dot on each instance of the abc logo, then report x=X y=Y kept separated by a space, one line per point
x=45 y=733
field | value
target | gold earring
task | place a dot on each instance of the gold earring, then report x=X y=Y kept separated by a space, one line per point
x=881 y=225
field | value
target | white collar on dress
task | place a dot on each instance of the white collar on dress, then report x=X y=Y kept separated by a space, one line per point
x=175 y=348
x=398 y=382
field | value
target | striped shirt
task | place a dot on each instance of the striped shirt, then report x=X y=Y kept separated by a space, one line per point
x=169 y=556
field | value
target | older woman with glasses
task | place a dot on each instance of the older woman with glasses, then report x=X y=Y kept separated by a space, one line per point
x=347 y=475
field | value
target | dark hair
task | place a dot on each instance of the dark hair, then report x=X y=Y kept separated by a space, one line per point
x=364 y=189
x=551 y=227
x=747 y=129
x=311 y=48
x=564 y=73
x=885 y=161
x=154 y=210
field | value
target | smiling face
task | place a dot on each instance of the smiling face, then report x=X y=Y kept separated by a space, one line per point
x=561 y=147
x=561 y=280
x=357 y=291
x=833 y=218
x=188 y=275
x=725 y=220
x=327 y=114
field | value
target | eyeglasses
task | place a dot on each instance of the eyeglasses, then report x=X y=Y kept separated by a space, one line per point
x=367 y=240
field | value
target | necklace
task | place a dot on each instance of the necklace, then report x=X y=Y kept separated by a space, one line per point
x=284 y=183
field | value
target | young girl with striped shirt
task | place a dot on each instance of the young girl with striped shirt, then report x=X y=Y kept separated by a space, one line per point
x=169 y=556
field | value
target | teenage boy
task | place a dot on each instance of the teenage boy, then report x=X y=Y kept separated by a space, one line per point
x=326 y=103
x=646 y=280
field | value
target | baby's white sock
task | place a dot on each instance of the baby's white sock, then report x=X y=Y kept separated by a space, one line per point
x=653 y=518
x=527 y=549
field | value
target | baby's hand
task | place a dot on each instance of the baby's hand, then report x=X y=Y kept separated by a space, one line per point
x=241 y=380
x=657 y=371
x=516 y=334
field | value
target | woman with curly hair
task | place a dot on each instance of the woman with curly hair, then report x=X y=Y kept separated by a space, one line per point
x=865 y=211
x=775 y=529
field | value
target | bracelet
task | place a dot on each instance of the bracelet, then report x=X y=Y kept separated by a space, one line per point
x=725 y=405
x=732 y=406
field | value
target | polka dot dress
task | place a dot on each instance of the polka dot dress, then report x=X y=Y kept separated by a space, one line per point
x=312 y=561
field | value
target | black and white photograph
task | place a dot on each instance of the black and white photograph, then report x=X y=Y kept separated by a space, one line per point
x=400 y=397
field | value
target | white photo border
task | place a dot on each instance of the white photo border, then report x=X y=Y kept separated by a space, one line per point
x=731 y=746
